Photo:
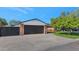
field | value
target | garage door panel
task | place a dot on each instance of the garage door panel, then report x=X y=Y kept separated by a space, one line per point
x=29 y=29
x=9 y=31
x=0 y=31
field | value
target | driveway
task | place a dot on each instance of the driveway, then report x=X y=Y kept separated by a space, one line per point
x=33 y=42
x=74 y=46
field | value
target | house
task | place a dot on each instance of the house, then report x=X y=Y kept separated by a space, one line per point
x=33 y=26
x=51 y=29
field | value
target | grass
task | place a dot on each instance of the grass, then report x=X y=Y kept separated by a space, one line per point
x=67 y=35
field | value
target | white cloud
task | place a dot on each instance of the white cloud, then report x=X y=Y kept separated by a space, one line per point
x=27 y=8
x=23 y=10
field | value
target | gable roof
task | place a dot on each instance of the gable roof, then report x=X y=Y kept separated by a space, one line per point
x=34 y=22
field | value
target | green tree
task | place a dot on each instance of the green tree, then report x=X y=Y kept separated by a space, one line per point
x=63 y=14
x=14 y=22
x=66 y=20
x=3 y=22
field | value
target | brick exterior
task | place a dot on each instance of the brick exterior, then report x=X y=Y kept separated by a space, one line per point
x=21 y=29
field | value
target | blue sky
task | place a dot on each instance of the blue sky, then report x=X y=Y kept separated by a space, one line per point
x=26 y=13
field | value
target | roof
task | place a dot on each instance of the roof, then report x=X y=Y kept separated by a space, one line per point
x=34 y=22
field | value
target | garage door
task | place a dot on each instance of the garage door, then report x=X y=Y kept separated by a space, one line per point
x=30 y=29
x=9 y=31
x=0 y=31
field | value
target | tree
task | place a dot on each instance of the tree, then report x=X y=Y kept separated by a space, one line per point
x=14 y=22
x=53 y=21
x=3 y=22
x=66 y=20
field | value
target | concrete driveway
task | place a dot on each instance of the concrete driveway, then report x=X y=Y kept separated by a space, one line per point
x=33 y=42
x=74 y=46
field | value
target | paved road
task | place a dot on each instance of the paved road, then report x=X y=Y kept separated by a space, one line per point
x=34 y=42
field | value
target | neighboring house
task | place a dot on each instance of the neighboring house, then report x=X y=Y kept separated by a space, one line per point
x=32 y=26
x=50 y=29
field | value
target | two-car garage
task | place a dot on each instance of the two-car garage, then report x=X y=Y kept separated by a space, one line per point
x=31 y=29
x=33 y=26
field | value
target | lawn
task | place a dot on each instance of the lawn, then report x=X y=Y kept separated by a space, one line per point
x=67 y=34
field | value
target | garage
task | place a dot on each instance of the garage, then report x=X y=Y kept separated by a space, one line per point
x=9 y=31
x=33 y=26
x=31 y=29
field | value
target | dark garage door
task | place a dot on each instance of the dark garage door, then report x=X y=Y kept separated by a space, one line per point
x=30 y=29
x=9 y=31
x=0 y=31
